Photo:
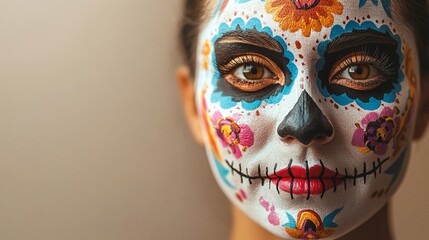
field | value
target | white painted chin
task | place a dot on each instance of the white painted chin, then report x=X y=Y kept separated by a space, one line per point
x=330 y=215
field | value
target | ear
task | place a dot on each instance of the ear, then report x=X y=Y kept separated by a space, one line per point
x=186 y=85
x=423 y=111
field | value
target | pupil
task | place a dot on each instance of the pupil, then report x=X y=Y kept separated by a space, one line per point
x=359 y=72
x=253 y=71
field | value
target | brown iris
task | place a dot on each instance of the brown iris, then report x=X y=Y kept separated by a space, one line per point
x=359 y=72
x=253 y=71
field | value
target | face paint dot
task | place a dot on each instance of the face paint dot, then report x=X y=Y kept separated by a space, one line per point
x=358 y=20
x=255 y=12
x=367 y=16
x=239 y=197
x=296 y=60
x=358 y=109
x=317 y=41
x=382 y=21
x=314 y=48
x=331 y=101
x=300 y=56
x=351 y=105
x=324 y=99
x=336 y=106
x=397 y=101
x=258 y=113
x=346 y=108
x=394 y=30
x=303 y=64
x=298 y=44
x=325 y=36
x=247 y=17
x=235 y=13
x=347 y=17
x=320 y=100
x=344 y=22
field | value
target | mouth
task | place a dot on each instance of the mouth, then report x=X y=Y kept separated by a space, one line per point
x=298 y=180
x=315 y=180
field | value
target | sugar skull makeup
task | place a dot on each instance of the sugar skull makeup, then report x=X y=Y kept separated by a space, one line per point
x=307 y=109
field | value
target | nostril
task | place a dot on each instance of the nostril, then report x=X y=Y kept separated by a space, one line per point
x=306 y=123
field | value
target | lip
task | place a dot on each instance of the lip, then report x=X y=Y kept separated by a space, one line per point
x=298 y=180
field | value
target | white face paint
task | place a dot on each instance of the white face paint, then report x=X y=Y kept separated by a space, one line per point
x=308 y=109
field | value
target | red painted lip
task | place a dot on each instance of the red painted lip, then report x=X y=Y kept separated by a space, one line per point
x=297 y=176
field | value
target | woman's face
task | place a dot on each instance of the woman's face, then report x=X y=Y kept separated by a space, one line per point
x=307 y=108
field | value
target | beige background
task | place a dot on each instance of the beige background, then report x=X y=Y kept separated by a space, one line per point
x=93 y=144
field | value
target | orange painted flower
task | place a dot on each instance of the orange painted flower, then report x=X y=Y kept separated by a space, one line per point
x=309 y=226
x=307 y=15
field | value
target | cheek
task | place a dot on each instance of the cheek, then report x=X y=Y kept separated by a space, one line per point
x=227 y=130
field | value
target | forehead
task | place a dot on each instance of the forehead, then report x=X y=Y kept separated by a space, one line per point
x=307 y=17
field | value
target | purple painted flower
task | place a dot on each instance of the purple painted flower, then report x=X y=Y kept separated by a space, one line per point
x=376 y=131
x=232 y=134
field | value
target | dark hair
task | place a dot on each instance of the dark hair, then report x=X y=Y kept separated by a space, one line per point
x=414 y=13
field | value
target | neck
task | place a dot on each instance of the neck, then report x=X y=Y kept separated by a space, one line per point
x=245 y=228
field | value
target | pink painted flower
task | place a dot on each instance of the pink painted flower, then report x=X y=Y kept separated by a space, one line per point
x=376 y=131
x=233 y=134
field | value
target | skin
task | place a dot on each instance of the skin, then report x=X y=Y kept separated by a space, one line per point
x=241 y=222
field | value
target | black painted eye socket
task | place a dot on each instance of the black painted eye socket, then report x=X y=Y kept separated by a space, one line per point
x=361 y=69
x=251 y=65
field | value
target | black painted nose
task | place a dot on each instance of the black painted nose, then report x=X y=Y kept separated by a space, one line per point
x=306 y=123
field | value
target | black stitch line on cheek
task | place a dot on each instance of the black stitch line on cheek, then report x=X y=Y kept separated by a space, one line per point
x=364 y=173
x=321 y=178
x=266 y=174
x=334 y=180
x=379 y=165
x=247 y=173
x=373 y=168
x=278 y=178
x=345 y=179
x=260 y=176
x=241 y=176
x=293 y=177
x=354 y=177
x=307 y=175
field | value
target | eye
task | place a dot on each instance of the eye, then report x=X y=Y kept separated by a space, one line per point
x=357 y=72
x=251 y=73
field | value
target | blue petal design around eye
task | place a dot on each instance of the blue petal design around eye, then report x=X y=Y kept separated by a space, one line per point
x=227 y=101
x=387 y=5
x=343 y=99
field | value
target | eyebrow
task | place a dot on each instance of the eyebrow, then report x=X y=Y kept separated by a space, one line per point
x=251 y=37
x=359 y=38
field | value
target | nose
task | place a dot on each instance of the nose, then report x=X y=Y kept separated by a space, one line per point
x=306 y=123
